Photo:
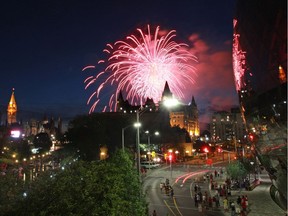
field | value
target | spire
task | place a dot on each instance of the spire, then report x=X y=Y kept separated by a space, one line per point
x=120 y=97
x=166 y=93
x=193 y=103
x=12 y=109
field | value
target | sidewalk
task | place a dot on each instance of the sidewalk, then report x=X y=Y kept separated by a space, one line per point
x=259 y=199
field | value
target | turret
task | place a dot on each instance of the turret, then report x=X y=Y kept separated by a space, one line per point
x=12 y=109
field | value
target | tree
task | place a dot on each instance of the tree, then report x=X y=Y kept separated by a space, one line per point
x=42 y=141
x=87 y=188
x=236 y=170
x=88 y=133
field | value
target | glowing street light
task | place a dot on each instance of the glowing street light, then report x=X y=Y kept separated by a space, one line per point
x=148 y=142
x=138 y=125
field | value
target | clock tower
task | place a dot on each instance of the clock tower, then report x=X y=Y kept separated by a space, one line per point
x=12 y=109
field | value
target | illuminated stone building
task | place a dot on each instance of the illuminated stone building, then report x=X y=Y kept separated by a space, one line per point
x=157 y=117
x=186 y=116
x=12 y=110
x=33 y=126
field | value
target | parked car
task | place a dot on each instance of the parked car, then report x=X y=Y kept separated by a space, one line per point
x=149 y=165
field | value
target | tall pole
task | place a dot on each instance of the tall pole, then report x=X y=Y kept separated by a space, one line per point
x=149 y=149
x=171 y=169
x=138 y=145
x=123 y=139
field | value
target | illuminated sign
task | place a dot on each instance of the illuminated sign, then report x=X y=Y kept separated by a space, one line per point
x=15 y=133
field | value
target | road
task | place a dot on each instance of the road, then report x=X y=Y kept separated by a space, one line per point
x=184 y=178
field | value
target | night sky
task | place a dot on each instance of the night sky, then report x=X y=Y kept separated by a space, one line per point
x=45 y=44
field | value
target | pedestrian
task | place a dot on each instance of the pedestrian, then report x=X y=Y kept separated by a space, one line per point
x=167 y=190
x=172 y=192
x=161 y=186
x=214 y=201
x=243 y=205
x=233 y=209
x=196 y=188
x=225 y=204
x=237 y=209
x=239 y=200
x=195 y=200
x=217 y=202
x=246 y=201
x=167 y=181
x=228 y=191
x=210 y=202
x=154 y=213
x=198 y=198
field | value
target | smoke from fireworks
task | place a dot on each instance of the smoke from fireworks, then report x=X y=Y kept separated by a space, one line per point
x=140 y=65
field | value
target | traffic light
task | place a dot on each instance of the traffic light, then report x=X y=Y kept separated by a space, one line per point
x=251 y=137
x=205 y=149
x=219 y=150
x=170 y=157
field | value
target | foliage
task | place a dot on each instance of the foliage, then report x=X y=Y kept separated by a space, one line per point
x=89 y=133
x=42 y=141
x=86 y=188
x=11 y=191
x=236 y=170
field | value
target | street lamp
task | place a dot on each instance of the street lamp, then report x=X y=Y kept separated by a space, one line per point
x=123 y=136
x=176 y=152
x=137 y=125
x=170 y=159
x=149 y=143
x=168 y=102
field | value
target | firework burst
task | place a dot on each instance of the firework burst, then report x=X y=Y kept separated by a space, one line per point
x=140 y=65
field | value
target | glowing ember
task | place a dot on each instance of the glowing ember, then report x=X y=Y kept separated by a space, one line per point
x=140 y=66
x=239 y=60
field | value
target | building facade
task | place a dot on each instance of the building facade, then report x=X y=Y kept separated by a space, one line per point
x=227 y=126
x=186 y=116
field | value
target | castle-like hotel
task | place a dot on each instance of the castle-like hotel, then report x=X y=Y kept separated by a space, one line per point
x=184 y=116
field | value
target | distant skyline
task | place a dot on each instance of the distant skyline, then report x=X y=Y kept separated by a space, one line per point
x=45 y=45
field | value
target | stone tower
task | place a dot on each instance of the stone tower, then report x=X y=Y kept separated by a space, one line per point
x=193 y=119
x=12 y=109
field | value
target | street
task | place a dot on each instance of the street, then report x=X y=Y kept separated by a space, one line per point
x=184 y=179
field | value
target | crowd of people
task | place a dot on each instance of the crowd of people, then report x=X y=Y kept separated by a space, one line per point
x=220 y=196
x=238 y=207
x=167 y=188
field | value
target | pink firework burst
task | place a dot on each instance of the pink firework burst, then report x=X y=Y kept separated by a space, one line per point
x=140 y=65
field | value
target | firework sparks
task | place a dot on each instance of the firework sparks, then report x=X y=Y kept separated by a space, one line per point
x=140 y=66
x=238 y=60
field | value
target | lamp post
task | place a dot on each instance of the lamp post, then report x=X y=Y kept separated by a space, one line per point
x=170 y=159
x=123 y=137
x=137 y=125
x=149 y=143
x=170 y=102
